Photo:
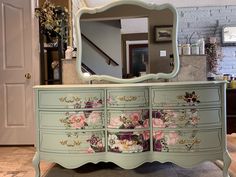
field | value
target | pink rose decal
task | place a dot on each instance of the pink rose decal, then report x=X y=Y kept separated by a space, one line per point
x=158 y=135
x=172 y=138
x=158 y=123
x=77 y=120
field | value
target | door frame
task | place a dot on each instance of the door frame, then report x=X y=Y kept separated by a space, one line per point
x=35 y=44
x=129 y=46
x=129 y=37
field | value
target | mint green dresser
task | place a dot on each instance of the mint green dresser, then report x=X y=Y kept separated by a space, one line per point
x=130 y=124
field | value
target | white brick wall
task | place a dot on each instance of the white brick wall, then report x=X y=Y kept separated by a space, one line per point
x=208 y=22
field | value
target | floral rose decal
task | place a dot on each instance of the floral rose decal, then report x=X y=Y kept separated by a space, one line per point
x=81 y=120
x=162 y=140
x=88 y=103
x=76 y=120
x=96 y=144
x=164 y=118
x=191 y=98
x=129 y=120
x=129 y=142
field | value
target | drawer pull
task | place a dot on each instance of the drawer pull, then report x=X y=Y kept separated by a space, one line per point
x=70 y=100
x=70 y=143
x=126 y=98
x=189 y=143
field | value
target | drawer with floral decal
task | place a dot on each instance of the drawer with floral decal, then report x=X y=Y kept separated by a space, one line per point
x=71 y=120
x=186 y=140
x=186 y=96
x=127 y=97
x=128 y=142
x=88 y=99
x=72 y=141
x=128 y=119
x=185 y=118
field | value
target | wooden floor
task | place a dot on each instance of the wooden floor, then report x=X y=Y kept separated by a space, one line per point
x=17 y=161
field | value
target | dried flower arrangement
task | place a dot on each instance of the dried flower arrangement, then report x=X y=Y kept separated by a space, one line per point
x=53 y=19
x=214 y=55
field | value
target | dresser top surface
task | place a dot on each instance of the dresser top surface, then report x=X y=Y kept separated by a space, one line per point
x=205 y=83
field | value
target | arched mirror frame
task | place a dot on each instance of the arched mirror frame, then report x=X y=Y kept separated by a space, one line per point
x=149 y=6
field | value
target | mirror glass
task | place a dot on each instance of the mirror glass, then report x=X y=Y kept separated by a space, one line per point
x=229 y=35
x=127 y=41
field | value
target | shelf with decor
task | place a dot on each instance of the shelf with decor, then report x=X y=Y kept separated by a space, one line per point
x=50 y=60
x=53 y=31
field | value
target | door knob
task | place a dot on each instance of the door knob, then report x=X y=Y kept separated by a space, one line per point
x=27 y=76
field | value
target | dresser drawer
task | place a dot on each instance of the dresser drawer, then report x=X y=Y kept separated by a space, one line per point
x=71 y=120
x=127 y=97
x=71 y=99
x=185 y=118
x=128 y=119
x=187 y=141
x=129 y=142
x=186 y=96
x=72 y=142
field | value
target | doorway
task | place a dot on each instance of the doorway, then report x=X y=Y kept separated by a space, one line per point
x=16 y=78
x=130 y=40
x=137 y=59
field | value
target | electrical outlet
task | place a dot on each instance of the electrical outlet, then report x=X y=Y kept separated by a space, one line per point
x=162 y=53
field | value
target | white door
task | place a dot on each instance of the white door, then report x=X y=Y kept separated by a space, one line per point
x=16 y=105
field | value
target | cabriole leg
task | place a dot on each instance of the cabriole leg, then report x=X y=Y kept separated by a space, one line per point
x=36 y=164
x=227 y=162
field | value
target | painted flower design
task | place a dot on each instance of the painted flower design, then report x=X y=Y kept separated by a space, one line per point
x=110 y=100
x=172 y=138
x=96 y=144
x=115 y=122
x=79 y=120
x=162 y=140
x=129 y=120
x=112 y=141
x=175 y=118
x=164 y=118
x=94 y=117
x=88 y=103
x=158 y=134
x=93 y=103
x=173 y=141
x=129 y=142
x=158 y=123
x=193 y=116
x=146 y=135
x=191 y=98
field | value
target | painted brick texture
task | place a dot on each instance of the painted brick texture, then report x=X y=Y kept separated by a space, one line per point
x=208 y=22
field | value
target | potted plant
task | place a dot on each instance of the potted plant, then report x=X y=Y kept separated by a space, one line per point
x=53 y=20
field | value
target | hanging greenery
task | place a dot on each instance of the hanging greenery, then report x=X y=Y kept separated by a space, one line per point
x=53 y=19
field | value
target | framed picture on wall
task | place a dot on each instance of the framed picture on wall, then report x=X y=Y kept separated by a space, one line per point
x=163 y=33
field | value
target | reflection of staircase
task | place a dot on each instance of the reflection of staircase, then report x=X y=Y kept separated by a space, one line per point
x=85 y=68
x=107 y=57
x=101 y=45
